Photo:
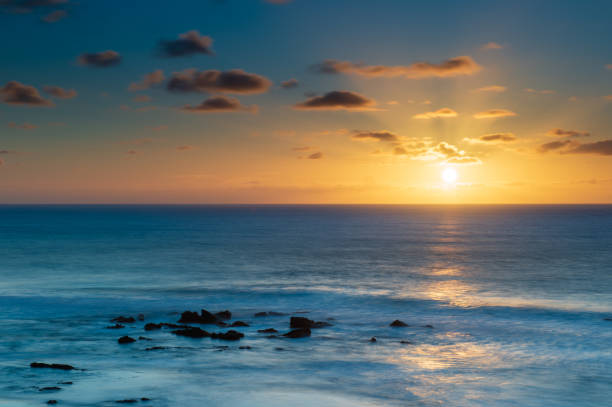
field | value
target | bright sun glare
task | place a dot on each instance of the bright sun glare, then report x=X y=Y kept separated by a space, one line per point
x=449 y=175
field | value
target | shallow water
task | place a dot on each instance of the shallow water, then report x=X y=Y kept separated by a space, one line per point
x=516 y=295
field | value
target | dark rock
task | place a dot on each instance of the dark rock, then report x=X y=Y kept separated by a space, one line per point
x=51 y=401
x=607 y=319
x=152 y=327
x=230 y=335
x=397 y=323
x=65 y=383
x=267 y=331
x=298 y=333
x=145 y=399
x=124 y=320
x=301 y=322
x=269 y=314
x=244 y=347
x=59 y=366
x=126 y=401
x=279 y=349
x=428 y=326
x=192 y=332
x=157 y=348
x=191 y=317
x=126 y=339
x=406 y=343
x=372 y=339
x=221 y=324
x=141 y=317
x=116 y=326
x=261 y=314
x=144 y=338
x=238 y=324
x=50 y=388
x=223 y=315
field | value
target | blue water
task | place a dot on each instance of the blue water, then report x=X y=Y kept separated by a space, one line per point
x=516 y=295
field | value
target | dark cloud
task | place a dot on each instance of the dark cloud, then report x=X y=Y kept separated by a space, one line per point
x=315 y=156
x=568 y=133
x=337 y=100
x=60 y=93
x=188 y=43
x=462 y=65
x=493 y=138
x=102 y=59
x=54 y=16
x=233 y=81
x=554 y=145
x=220 y=104
x=15 y=93
x=290 y=84
x=148 y=80
x=376 y=136
x=603 y=147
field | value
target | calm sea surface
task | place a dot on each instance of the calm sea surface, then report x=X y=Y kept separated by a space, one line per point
x=507 y=305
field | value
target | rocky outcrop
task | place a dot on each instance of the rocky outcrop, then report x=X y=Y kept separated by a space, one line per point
x=60 y=366
x=298 y=333
x=301 y=322
x=126 y=339
x=398 y=324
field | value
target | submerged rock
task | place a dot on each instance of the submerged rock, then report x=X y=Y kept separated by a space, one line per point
x=123 y=320
x=269 y=314
x=398 y=324
x=144 y=338
x=301 y=322
x=51 y=401
x=50 y=388
x=372 y=339
x=267 y=331
x=238 y=324
x=141 y=317
x=406 y=343
x=157 y=348
x=230 y=335
x=60 y=366
x=126 y=401
x=298 y=333
x=126 y=339
x=152 y=327
x=116 y=326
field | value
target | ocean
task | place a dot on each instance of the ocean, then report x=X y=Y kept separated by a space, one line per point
x=505 y=305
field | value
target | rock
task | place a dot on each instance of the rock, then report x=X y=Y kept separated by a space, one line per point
x=157 y=348
x=244 y=347
x=301 y=322
x=59 y=366
x=152 y=327
x=51 y=401
x=65 y=383
x=298 y=333
x=372 y=339
x=126 y=401
x=116 y=326
x=230 y=335
x=126 y=339
x=191 y=317
x=608 y=319
x=192 y=332
x=141 y=317
x=267 y=331
x=279 y=349
x=406 y=343
x=144 y=338
x=123 y=320
x=261 y=314
x=50 y=388
x=145 y=399
x=223 y=315
x=397 y=323
x=238 y=324
x=428 y=326
x=269 y=314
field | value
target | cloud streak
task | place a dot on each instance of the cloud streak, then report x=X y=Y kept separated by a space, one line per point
x=60 y=93
x=461 y=65
x=337 y=100
x=382 y=135
x=494 y=113
x=148 y=80
x=445 y=112
x=189 y=43
x=102 y=59
x=568 y=133
x=220 y=104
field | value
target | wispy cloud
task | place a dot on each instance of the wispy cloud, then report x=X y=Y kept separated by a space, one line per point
x=491 y=46
x=382 y=135
x=445 y=112
x=492 y=138
x=491 y=88
x=54 y=16
x=461 y=65
x=540 y=92
x=148 y=80
x=59 y=92
x=220 y=104
x=102 y=59
x=568 y=133
x=289 y=84
x=494 y=113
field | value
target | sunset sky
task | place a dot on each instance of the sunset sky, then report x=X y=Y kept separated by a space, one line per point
x=305 y=101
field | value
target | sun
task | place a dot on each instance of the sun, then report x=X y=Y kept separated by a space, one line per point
x=449 y=175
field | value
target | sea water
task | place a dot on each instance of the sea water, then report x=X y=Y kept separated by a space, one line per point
x=506 y=305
